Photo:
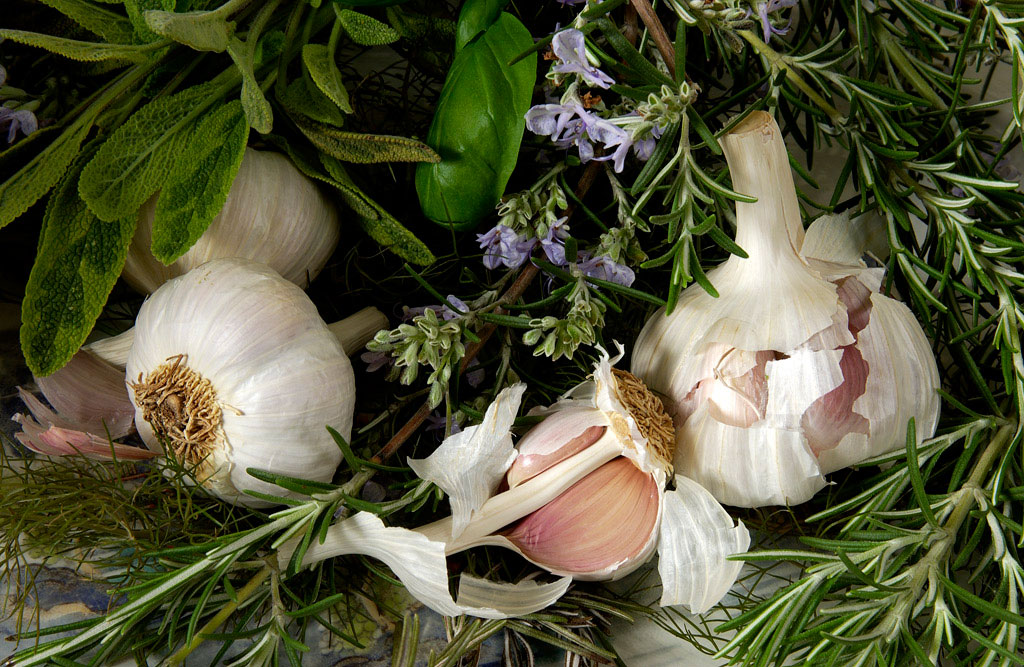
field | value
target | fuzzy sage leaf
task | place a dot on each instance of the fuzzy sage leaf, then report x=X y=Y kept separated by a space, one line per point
x=320 y=64
x=366 y=30
x=202 y=31
x=108 y=25
x=364 y=148
x=78 y=262
x=199 y=182
x=257 y=108
x=79 y=50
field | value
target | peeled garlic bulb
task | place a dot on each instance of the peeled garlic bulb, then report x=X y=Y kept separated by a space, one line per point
x=273 y=214
x=233 y=368
x=800 y=367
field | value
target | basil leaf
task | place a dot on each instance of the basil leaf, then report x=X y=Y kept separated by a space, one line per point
x=79 y=260
x=476 y=17
x=478 y=126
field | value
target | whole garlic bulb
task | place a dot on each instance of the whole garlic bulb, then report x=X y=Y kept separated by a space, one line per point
x=233 y=368
x=273 y=214
x=800 y=367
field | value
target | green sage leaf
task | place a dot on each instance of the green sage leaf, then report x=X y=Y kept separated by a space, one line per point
x=202 y=31
x=136 y=10
x=366 y=30
x=364 y=148
x=110 y=26
x=257 y=108
x=36 y=178
x=478 y=126
x=79 y=50
x=79 y=260
x=325 y=74
x=198 y=184
x=135 y=161
x=302 y=97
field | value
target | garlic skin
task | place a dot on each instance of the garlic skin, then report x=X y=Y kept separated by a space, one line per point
x=587 y=493
x=232 y=366
x=274 y=214
x=800 y=367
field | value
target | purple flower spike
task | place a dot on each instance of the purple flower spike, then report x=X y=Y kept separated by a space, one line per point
x=502 y=246
x=569 y=48
x=766 y=8
x=603 y=268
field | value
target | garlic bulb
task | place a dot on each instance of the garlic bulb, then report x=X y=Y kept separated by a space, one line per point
x=273 y=214
x=233 y=368
x=800 y=367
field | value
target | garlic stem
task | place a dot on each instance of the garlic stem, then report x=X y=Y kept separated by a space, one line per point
x=113 y=350
x=356 y=330
x=526 y=498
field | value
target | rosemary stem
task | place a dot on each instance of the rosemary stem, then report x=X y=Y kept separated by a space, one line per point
x=243 y=594
x=780 y=62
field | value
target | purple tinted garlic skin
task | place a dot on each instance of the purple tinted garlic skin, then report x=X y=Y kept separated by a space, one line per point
x=801 y=367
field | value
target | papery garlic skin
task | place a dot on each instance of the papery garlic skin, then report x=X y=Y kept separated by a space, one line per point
x=799 y=367
x=265 y=377
x=273 y=214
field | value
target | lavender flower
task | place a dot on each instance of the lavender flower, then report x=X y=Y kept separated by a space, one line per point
x=572 y=125
x=375 y=360
x=503 y=246
x=570 y=48
x=449 y=314
x=571 y=3
x=553 y=243
x=766 y=8
x=22 y=120
x=603 y=268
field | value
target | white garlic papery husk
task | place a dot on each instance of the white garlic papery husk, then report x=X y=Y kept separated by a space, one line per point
x=233 y=368
x=800 y=367
x=274 y=214
x=588 y=496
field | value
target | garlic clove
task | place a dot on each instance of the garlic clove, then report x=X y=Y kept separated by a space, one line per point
x=747 y=466
x=88 y=394
x=273 y=214
x=561 y=435
x=233 y=366
x=469 y=465
x=696 y=536
x=602 y=527
x=58 y=441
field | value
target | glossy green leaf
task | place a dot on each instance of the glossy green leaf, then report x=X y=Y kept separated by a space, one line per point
x=111 y=26
x=366 y=30
x=78 y=262
x=42 y=172
x=202 y=31
x=135 y=161
x=475 y=17
x=198 y=184
x=325 y=74
x=364 y=148
x=478 y=126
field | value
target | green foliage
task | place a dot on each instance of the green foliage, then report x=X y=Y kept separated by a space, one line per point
x=199 y=181
x=135 y=161
x=40 y=174
x=475 y=17
x=79 y=50
x=478 y=126
x=202 y=31
x=366 y=30
x=301 y=97
x=324 y=73
x=257 y=108
x=78 y=262
x=136 y=10
x=364 y=148
x=110 y=26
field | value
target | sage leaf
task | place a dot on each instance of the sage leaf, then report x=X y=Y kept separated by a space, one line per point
x=478 y=125
x=320 y=64
x=198 y=184
x=202 y=31
x=257 y=108
x=135 y=161
x=78 y=262
x=136 y=10
x=366 y=30
x=364 y=148
x=79 y=50
x=108 y=25
x=42 y=172
x=302 y=97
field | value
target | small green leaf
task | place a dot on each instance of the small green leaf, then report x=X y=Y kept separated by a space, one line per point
x=325 y=74
x=257 y=108
x=302 y=97
x=475 y=17
x=198 y=184
x=366 y=30
x=37 y=177
x=202 y=31
x=79 y=50
x=136 y=10
x=105 y=23
x=365 y=148
x=79 y=260
x=136 y=159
